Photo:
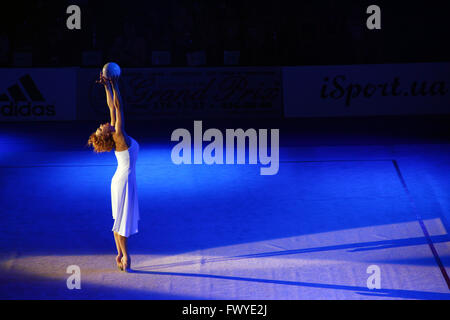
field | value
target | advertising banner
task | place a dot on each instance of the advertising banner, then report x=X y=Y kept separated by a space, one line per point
x=190 y=92
x=38 y=94
x=365 y=90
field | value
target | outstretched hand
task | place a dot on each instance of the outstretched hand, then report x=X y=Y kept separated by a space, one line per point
x=102 y=80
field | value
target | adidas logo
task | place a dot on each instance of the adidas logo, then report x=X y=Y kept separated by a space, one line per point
x=24 y=99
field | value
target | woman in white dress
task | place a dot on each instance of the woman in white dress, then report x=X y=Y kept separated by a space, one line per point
x=124 y=200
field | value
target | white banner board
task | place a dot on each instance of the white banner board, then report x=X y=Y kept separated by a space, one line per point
x=186 y=92
x=366 y=90
x=28 y=94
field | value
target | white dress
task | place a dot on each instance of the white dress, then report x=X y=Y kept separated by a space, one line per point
x=124 y=198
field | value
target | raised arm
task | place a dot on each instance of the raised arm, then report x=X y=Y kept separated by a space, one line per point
x=118 y=105
x=112 y=109
x=109 y=98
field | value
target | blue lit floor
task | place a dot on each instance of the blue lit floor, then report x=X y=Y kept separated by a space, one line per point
x=224 y=231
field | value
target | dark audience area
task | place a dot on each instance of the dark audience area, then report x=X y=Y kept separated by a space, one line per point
x=220 y=33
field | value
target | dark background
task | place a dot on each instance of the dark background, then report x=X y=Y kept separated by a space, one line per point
x=266 y=33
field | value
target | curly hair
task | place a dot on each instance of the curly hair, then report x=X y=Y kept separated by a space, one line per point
x=101 y=143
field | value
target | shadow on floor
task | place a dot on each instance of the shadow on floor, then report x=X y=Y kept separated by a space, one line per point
x=361 y=246
x=405 y=294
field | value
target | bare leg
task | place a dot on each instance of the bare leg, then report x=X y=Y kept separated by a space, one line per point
x=119 y=251
x=126 y=260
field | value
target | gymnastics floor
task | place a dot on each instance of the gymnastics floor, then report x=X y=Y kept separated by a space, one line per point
x=341 y=202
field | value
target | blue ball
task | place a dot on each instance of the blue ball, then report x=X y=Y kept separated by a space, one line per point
x=111 y=69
